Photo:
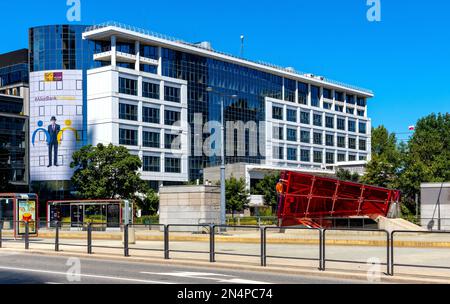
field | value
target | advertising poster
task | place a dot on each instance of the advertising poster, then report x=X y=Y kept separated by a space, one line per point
x=56 y=123
x=26 y=212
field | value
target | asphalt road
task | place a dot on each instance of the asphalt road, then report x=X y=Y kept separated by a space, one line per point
x=18 y=268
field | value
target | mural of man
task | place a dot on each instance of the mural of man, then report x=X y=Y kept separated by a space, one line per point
x=53 y=130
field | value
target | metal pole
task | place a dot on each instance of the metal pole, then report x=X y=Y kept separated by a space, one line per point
x=263 y=247
x=125 y=241
x=388 y=260
x=323 y=241
x=212 y=243
x=392 y=253
x=89 y=238
x=27 y=236
x=222 y=167
x=166 y=242
x=57 y=237
x=1 y=228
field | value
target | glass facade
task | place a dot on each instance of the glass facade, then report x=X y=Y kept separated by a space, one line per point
x=14 y=74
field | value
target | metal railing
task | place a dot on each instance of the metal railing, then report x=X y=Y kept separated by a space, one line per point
x=213 y=231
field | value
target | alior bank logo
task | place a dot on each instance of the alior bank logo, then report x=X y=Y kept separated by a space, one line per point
x=59 y=136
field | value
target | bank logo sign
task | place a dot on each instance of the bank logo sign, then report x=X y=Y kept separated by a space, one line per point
x=57 y=127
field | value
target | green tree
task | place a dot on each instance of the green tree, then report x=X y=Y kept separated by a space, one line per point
x=267 y=188
x=237 y=195
x=384 y=167
x=426 y=157
x=346 y=175
x=104 y=172
x=148 y=203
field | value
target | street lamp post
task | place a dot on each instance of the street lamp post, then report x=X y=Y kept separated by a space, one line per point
x=223 y=205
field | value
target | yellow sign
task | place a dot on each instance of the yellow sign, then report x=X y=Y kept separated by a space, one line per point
x=53 y=76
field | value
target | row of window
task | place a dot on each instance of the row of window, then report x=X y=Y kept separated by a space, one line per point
x=153 y=164
x=303 y=92
x=317 y=156
x=317 y=139
x=149 y=90
x=150 y=139
x=61 y=110
x=149 y=115
x=317 y=120
x=46 y=86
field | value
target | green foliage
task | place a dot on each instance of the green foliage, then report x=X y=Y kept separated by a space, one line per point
x=267 y=188
x=107 y=172
x=148 y=203
x=346 y=175
x=237 y=196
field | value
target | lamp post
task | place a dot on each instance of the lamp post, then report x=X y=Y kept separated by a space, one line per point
x=223 y=205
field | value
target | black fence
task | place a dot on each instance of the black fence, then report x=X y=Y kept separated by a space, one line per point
x=212 y=231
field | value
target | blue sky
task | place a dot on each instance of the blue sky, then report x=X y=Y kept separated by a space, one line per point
x=404 y=59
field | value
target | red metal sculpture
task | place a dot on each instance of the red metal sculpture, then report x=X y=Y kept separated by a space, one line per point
x=309 y=200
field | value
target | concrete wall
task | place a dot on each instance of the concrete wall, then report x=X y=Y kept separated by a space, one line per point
x=189 y=205
x=430 y=193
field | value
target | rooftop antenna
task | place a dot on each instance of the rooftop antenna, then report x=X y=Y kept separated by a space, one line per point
x=242 y=45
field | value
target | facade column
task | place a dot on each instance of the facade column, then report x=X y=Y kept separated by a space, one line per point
x=137 y=65
x=113 y=51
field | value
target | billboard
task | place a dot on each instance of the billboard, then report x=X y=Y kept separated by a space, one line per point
x=56 y=123
x=26 y=212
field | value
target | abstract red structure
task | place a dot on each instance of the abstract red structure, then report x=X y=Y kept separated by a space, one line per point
x=309 y=200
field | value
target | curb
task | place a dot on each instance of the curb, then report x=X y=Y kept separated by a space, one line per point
x=333 y=273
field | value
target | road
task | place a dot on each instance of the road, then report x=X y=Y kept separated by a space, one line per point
x=18 y=268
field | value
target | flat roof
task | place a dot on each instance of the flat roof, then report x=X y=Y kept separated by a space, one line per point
x=13 y=58
x=107 y=29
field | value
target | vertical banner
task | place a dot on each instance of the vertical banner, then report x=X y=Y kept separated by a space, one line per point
x=56 y=123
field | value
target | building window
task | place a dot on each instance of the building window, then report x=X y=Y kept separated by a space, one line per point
x=303 y=93
x=41 y=111
x=329 y=122
x=315 y=96
x=361 y=101
x=305 y=137
x=278 y=152
x=361 y=113
x=352 y=126
x=148 y=68
x=352 y=143
x=289 y=90
x=172 y=142
x=171 y=117
x=59 y=85
x=330 y=158
x=305 y=118
x=277 y=113
x=363 y=157
x=292 y=154
x=362 y=145
x=128 y=112
x=148 y=51
x=362 y=127
x=172 y=165
x=292 y=134
x=339 y=108
x=151 y=139
x=305 y=156
x=342 y=157
x=150 y=115
x=278 y=133
x=59 y=110
x=318 y=138
x=291 y=115
x=339 y=96
x=318 y=157
x=151 y=164
x=329 y=140
x=79 y=85
x=341 y=124
x=41 y=161
x=150 y=90
x=172 y=94
x=341 y=141
x=317 y=120
x=128 y=137
x=127 y=86
x=327 y=93
x=41 y=86
x=350 y=99
x=327 y=106
x=350 y=111
x=352 y=157
x=79 y=110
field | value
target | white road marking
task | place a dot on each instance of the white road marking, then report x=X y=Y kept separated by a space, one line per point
x=84 y=275
x=221 y=278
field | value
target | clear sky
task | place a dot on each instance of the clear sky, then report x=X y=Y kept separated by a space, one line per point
x=404 y=59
